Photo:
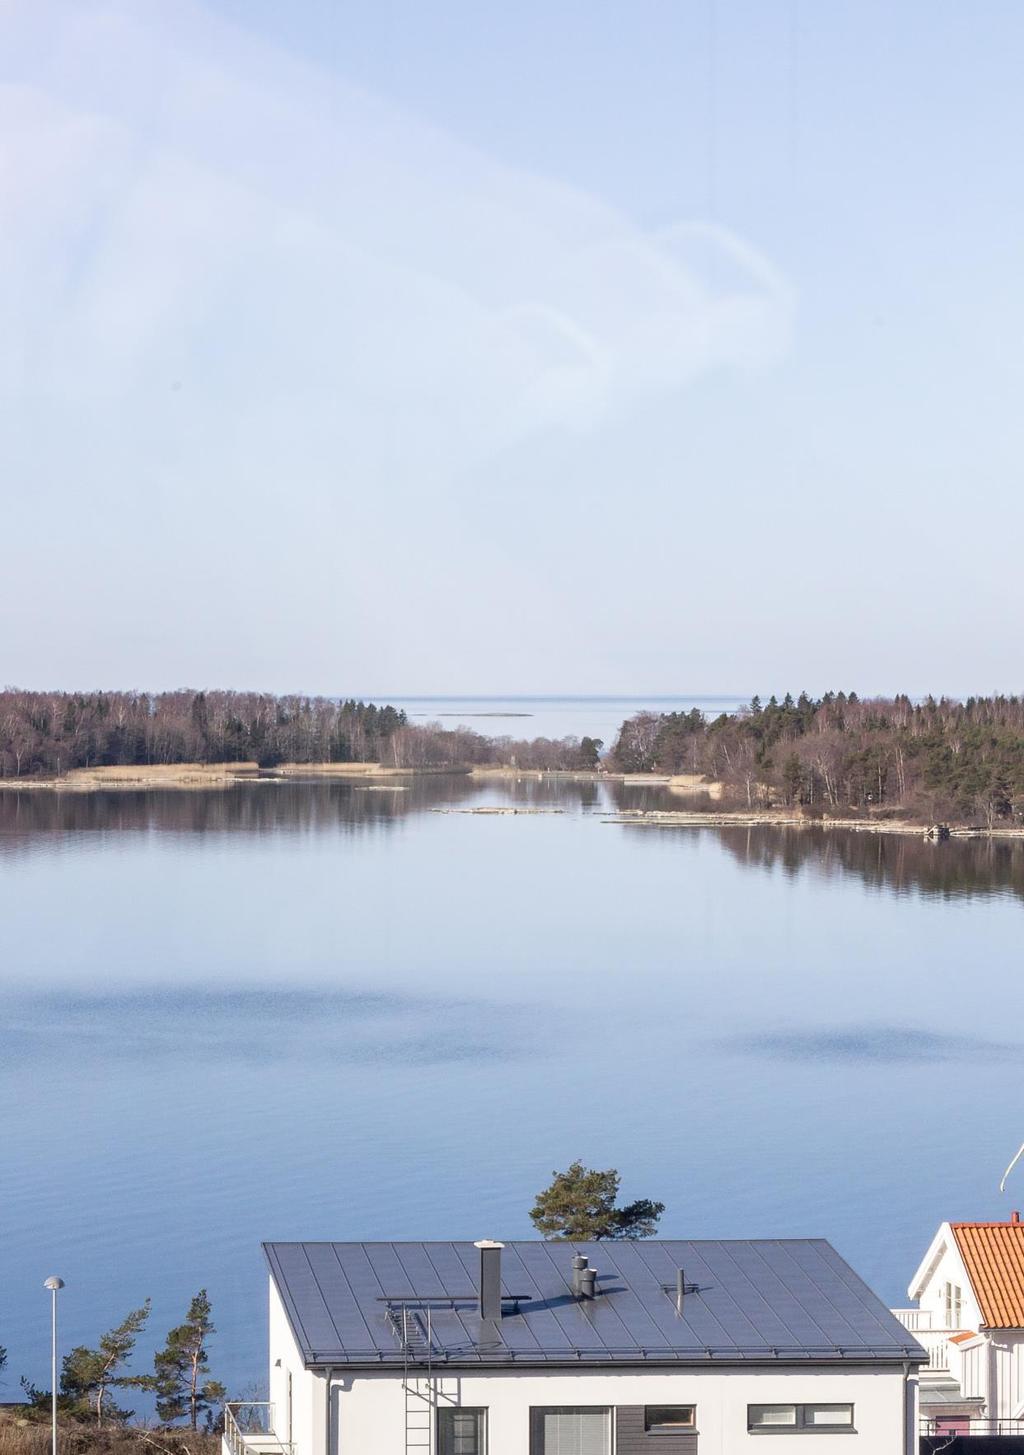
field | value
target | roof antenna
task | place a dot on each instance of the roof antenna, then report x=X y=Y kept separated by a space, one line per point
x=1020 y=1153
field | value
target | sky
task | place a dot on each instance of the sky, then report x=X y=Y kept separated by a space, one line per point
x=566 y=347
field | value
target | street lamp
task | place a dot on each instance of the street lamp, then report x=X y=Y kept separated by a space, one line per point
x=53 y=1284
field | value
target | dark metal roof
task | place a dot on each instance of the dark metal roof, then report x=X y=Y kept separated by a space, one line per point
x=766 y=1300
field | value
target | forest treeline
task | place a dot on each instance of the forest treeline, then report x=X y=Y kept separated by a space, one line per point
x=53 y=732
x=46 y=733
x=937 y=760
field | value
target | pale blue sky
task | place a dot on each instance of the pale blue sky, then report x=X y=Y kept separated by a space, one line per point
x=451 y=347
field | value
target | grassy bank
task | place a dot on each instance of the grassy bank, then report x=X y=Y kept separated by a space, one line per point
x=20 y=1438
x=189 y=775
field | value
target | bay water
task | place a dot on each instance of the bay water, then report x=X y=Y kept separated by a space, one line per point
x=299 y=1010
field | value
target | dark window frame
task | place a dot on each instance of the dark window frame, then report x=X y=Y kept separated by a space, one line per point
x=443 y=1445
x=802 y=1423
x=660 y=1433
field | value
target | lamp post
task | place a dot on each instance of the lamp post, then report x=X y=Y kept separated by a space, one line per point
x=53 y=1284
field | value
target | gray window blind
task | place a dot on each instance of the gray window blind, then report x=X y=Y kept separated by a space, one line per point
x=571 y=1432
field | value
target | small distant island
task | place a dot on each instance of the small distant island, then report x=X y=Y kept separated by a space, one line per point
x=839 y=757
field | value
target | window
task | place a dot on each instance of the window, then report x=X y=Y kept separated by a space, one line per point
x=670 y=1419
x=567 y=1431
x=827 y=1416
x=461 y=1432
x=954 y=1304
x=771 y=1416
x=821 y=1419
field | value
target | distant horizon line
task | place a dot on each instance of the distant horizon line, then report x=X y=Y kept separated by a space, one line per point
x=741 y=698
x=545 y=696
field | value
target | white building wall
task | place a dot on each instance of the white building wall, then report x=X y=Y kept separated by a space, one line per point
x=972 y=1371
x=304 y=1422
x=1017 y=1378
x=1008 y=1369
x=949 y=1268
x=1002 y=1358
x=368 y=1410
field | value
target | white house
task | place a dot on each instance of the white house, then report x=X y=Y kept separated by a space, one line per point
x=542 y=1348
x=970 y=1317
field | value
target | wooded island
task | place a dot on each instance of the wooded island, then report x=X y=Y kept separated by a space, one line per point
x=933 y=761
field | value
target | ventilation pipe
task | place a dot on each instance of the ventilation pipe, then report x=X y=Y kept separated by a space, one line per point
x=588 y=1282
x=579 y=1264
x=489 y=1285
x=680 y=1289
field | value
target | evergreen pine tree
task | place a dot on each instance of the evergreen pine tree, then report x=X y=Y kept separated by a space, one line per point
x=181 y=1365
x=580 y=1205
x=88 y=1375
x=590 y=752
x=792 y=778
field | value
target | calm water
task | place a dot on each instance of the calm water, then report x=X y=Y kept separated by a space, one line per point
x=320 y=1011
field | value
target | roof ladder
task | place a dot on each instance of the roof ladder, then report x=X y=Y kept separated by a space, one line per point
x=418 y=1385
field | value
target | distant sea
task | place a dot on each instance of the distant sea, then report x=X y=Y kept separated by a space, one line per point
x=550 y=717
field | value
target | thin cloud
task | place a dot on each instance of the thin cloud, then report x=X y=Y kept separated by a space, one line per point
x=243 y=301
x=210 y=214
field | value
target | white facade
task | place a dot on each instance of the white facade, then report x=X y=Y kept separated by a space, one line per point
x=371 y=1413
x=973 y=1372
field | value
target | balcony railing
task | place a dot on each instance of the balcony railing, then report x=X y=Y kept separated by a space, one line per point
x=969 y=1425
x=930 y=1330
x=249 y=1429
x=914 y=1318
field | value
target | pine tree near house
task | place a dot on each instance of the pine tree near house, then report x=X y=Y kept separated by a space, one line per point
x=581 y=1205
x=88 y=1375
x=181 y=1365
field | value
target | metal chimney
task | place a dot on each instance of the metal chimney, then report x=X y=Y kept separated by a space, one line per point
x=579 y=1263
x=588 y=1282
x=489 y=1285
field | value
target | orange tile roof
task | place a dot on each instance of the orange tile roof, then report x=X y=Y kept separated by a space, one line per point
x=993 y=1254
x=962 y=1338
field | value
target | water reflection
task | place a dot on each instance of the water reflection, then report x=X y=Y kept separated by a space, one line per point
x=897 y=862
x=266 y=805
x=295 y=805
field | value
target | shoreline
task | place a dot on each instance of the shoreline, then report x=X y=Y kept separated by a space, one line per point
x=207 y=775
x=210 y=776
x=223 y=775
x=786 y=818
